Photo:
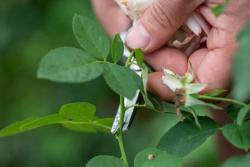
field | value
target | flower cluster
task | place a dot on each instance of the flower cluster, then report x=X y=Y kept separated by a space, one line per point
x=183 y=87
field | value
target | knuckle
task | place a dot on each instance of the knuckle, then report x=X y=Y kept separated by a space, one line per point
x=162 y=16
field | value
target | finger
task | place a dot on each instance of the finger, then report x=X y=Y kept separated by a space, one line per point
x=215 y=70
x=169 y=58
x=196 y=59
x=160 y=22
x=111 y=17
x=156 y=86
x=208 y=15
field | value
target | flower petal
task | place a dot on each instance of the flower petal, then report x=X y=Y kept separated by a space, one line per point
x=172 y=80
x=191 y=101
x=193 y=25
x=195 y=88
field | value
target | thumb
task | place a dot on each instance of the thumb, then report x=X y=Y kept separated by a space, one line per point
x=160 y=21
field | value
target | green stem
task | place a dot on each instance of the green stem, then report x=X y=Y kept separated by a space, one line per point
x=144 y=106
x=204 y=97
x=119 y=136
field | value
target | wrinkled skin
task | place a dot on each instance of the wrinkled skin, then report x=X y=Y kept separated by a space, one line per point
x=212 y=64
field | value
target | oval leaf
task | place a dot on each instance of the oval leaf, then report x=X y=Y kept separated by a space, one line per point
x=242 y=114
x=185 y=137
x=78 y=111
x=105 y=161
x=70 y=65
x=91 y=37
x=122 y=80
x=117 y=48
x=30 y=124
x=75 y=116
x=139 y=56
x=239 y=136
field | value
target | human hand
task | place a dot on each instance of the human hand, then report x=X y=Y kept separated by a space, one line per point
x=213 y=63
x=155 y=27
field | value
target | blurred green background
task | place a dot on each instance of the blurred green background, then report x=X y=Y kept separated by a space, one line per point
x=28 y=30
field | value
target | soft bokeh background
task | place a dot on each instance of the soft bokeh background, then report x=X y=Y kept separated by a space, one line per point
x=28 y=30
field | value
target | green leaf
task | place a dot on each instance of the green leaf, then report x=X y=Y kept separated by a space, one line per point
x=117 y=48
x=185 y=137
x=105 y=161
x=241 y=66
x=78 y=111
x=75 y=116
x=239 y=136
x=139 y=56
x=70 y=65
x=145 y=155
x=98 y=125
x=161 y=105
x=215 y=92
x=122 y=80
x=233 y=110
x=91 y=37
x=30 y=124
x=82 y=118
x=144 y=77
x=102 y=125
x=153 y=157
x=219 y=9
x=242 y=114
x=239 y=161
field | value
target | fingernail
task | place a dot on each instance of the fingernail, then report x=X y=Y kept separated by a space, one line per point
x=138 y=37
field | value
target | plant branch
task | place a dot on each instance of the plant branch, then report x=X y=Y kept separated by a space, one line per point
x=119 y=136
x=144 y=106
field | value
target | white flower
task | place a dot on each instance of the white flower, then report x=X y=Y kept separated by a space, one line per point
x=134 y=8
x=184 y=83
